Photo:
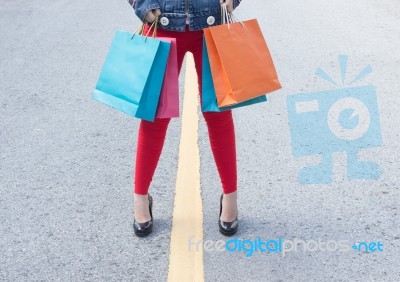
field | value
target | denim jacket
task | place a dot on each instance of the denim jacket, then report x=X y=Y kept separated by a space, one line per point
x=175 y=14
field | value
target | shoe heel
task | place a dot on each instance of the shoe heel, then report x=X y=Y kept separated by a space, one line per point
x=227 y=228
x=145 y=228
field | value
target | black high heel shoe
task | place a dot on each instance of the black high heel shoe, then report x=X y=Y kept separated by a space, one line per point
x=143 y=229
x=227 y=228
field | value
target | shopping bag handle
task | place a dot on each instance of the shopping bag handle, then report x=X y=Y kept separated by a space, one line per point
x=228 y=17
x=141 y=29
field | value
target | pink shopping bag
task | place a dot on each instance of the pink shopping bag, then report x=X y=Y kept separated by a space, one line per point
x=168 y=104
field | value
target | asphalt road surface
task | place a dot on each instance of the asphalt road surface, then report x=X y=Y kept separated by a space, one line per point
x=66 y=161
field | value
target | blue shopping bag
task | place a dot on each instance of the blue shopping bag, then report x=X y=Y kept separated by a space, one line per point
x=132 y=74
x=209 y=98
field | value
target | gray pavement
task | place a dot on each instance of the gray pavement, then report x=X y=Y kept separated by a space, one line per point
x=66 y=161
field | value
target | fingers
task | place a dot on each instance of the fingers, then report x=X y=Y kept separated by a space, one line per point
x=229 y=5
x=150 y=17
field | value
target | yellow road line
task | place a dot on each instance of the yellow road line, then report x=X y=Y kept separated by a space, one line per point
x=186 y=265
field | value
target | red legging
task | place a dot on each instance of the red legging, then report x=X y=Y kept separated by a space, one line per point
x=220 y=126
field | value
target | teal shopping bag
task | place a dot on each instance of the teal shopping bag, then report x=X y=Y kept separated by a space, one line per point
x=132 y=74
x=209 y=98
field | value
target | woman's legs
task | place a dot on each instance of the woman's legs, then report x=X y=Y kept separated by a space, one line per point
x=151 y=137
x=222 y=139
x=220 y=125
x=221 y=132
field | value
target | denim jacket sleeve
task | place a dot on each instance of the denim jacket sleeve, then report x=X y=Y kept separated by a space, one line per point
x=141 y=7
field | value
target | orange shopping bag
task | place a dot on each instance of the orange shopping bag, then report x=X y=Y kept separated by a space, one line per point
x=241 y=65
